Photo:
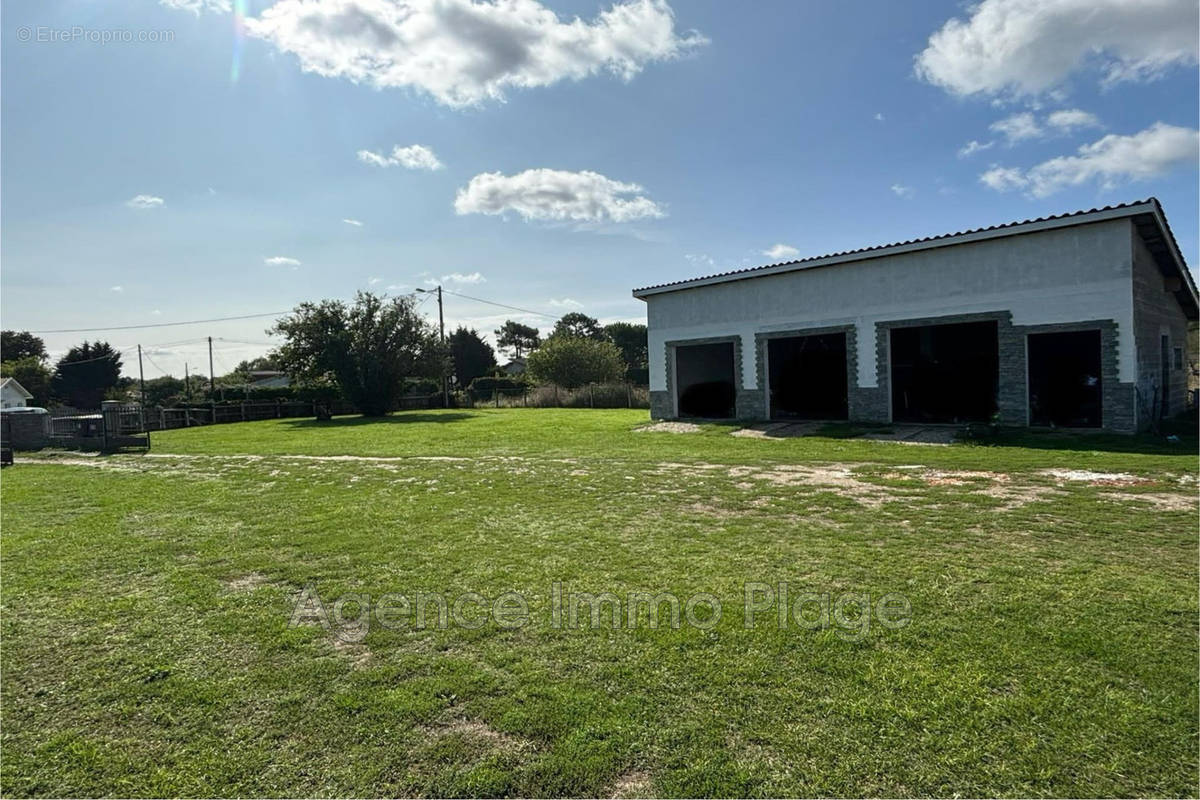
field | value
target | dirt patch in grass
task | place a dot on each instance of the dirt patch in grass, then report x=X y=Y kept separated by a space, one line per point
x=843 y=480
x=1162 y=501
x=632 y=784
x=1017 y=496
x=476 y=730
x=710 y=510
x=247 y=583
x=357 y=652
x=1094 y=478
x=669 y=427
x=838 y=477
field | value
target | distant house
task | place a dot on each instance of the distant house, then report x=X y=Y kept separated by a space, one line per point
x=13 y=394
x=268 y=379
x=514 y=367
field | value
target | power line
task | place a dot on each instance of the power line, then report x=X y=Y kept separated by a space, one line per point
x=165 y=324
x=114 y=354
x=150 y=325
x=156 y=366
x=501 y=305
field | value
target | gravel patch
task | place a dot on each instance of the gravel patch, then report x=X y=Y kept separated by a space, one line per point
x=669 y=427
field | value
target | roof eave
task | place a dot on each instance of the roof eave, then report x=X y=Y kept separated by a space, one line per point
x=1187 y=282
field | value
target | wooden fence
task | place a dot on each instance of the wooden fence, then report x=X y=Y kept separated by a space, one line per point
x=161 y=419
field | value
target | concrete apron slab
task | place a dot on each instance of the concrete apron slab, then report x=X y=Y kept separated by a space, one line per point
x=915 y=434
x=779 y=430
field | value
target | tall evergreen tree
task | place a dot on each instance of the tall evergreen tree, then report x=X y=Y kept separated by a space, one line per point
x=85 y=373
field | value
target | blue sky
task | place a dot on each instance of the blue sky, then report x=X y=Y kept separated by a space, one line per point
x=551 y=155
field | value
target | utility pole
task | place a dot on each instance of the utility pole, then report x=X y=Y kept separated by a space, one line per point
x=442 y=332
x=212 y=382
x=442 y=339
x=187 y=383
x=141 y=377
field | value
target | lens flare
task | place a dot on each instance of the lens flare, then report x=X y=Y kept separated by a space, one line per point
x=239 y=39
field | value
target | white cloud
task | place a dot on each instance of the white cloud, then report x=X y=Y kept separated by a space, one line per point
x=566 y=302
x=900 y=190
x=196 y=6
x=117 y=289
x=972 y=147
x=374 y=281
x=281 y=261
x=353 y=222
x=394 y=287
x=1110 y=160
x=1070 y=119
x=156 y=313
x=1002 y=179
x=1022 y=126
x=879 y=117
x=1027 y=47
x=781 y=251
x=550 y=194
x=145 y=201
x=457 y=277
x=462 y=52
x=1017 y=128
x=415 y=156
x=700 y=258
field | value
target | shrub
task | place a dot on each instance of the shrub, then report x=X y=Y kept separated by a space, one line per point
x=570 y=362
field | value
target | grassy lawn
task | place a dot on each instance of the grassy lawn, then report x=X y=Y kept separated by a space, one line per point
x=1051 y=645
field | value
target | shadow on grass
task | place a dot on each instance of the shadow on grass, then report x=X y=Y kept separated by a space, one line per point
x=1142 y=443
x=404 y=417
x=1185 y=442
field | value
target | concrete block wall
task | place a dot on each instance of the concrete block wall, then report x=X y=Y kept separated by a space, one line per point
x=1156 y=312
x=1117 y=401
x=748 y=404
x=873 y=403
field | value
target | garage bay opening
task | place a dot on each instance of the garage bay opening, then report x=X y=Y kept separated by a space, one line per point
x=1064 y=379
x=945 y=373
x=704 y=380
x=808 y=377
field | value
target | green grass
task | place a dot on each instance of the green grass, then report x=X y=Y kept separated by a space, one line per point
x=1052 y=647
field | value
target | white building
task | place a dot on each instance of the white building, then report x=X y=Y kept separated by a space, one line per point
x=13 y=394
x=1073 y=320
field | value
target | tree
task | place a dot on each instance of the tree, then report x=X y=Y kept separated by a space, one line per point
x=579 y=325
x=631 y=340
x=367 y=348
x=31 y=373
x=517 y=338
x=85 y=373
x=572 y=361
x=470 y=355
x=17 y=345
x=241 y=373
x=163 y=391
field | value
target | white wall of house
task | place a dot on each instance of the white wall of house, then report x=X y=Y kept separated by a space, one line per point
x=11 y=397
x=1043 y=277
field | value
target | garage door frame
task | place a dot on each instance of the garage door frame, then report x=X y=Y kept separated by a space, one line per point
x=764 y=371
x=672 y=382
